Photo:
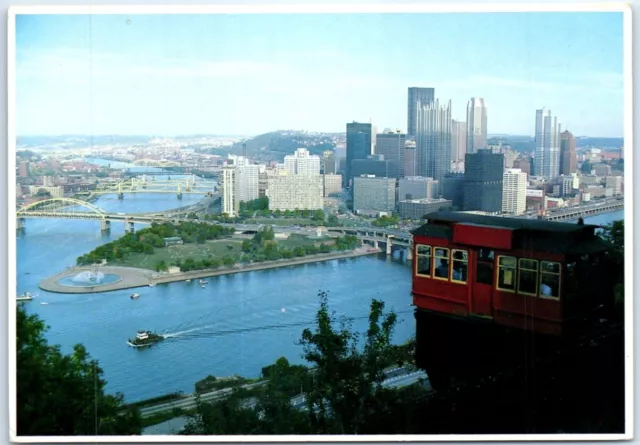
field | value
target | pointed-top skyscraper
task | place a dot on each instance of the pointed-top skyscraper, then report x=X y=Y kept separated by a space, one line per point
x=417 y=95
x=476 y=125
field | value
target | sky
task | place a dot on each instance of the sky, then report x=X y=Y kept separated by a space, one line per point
x=249 y=74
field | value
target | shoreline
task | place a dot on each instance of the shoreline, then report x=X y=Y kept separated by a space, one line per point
x=131 y=277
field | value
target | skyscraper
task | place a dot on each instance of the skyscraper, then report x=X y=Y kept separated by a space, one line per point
x=433 y=140
x=483 y=179
x=329 y=162
x=417 y=95
x=514 y=192
x=476 y=125
x=359 y=143
x=547 y=155
x=392 y=146
x=568 y=160
x=458 y=140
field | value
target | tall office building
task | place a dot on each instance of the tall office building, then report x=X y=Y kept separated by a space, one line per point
x=329 y=163
x=410 y=158
x=359 y=143
x=433 y=140
x=423 y=96
x=392 y=146
x=230 y=205
x=568 y=160
x=372 y=195
x=417 y=187
x=476 y=125
x=458 y=140
x=302 y=163
x=514 y=192
x=546 y=162
x=483 y=179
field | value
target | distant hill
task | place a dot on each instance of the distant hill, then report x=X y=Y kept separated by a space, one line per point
x=78 y=141
x=528 y=143
x=275 y=145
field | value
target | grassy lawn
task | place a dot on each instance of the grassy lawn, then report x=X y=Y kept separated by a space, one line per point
x=214 y=249
x=297 y=240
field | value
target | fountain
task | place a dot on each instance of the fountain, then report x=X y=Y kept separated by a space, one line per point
x=89 y=278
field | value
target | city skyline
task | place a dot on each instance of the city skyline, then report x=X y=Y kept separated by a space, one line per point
x=171 y=74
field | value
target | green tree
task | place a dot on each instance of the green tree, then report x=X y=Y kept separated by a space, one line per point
x=347 y=384
x=614 y=233
x=64 y=394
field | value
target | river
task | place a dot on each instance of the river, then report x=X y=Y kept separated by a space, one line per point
x=236 y=325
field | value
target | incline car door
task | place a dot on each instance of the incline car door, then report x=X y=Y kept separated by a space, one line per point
x=482 y=289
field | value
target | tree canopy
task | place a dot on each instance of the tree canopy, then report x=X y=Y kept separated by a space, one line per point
x=60 y=394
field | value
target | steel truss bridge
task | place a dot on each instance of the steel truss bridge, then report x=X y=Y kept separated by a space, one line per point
x=69 y=208
x=150 y=184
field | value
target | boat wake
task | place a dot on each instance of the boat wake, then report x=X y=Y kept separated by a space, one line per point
x=188 y=331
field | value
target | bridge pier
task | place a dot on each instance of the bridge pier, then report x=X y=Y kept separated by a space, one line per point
x=131 y=227
x=388 y=246
x=105 y=225
x=20 y=226
x=121 y=195
x=179 y=195
x=375 y=244
x=409 y=253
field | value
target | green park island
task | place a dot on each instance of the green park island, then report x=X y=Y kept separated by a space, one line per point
x=170 y=252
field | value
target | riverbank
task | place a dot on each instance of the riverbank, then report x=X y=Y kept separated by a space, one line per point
x=131 y=277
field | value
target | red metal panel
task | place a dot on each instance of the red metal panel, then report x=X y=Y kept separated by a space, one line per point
x=482 y=236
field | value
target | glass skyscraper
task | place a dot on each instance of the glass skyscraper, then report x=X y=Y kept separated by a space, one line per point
x=417 y=95
x=433 y=140
x=359 y=145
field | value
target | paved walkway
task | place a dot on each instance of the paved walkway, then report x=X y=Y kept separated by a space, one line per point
x=131 y=277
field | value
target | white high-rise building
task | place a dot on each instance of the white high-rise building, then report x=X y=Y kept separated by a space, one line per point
x=458 y=140
x=230 y=205
x=514 y=191
x=295 y=192
x=240 y=183
x=302 y=163
x=546 y=162
x=476 y=125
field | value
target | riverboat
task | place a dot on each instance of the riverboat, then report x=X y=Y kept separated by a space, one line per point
x=152 y=284
x=26 y=296
x=187 y=281
x=135 y=295
x=203 y=282
x=144 y=338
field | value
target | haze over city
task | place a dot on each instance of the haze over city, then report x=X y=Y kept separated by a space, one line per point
x=250 y=74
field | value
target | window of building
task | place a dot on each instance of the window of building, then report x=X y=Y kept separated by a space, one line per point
x=441 y=263
x=507 y=273
x=423 y=263
x=528 y=276
x=459 y=266
x=550 y=279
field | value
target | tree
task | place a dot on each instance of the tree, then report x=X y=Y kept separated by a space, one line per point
x=64 y=394
x=614 y=233
x=347 y=384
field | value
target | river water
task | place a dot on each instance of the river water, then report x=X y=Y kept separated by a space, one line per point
x=236 y=325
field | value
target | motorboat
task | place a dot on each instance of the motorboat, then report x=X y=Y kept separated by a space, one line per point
x=145 y=338
x=26 y=296
x=203 y=281
x=135 y=295
x=188 y=281
x=152 y=284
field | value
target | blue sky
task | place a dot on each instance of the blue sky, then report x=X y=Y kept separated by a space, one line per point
x=248 y=74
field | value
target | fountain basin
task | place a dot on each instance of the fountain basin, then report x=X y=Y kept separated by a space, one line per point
x=85 y=279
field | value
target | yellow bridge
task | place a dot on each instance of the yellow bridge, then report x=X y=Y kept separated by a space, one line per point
x=144 y=184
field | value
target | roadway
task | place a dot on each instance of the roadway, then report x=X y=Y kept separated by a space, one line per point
x=395 y=378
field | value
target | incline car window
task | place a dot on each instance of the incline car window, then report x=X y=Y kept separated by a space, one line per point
x=460 y=266
x=528 y=276
x=507 y=273
x=550 y=279
x=441 y=263
x=423 y=263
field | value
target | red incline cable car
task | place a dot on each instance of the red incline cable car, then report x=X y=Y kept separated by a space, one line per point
x=532 y=275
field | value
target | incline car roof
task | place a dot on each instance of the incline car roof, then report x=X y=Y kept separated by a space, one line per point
x=498 y=221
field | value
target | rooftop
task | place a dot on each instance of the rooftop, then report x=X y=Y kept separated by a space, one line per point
x=511 y=223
